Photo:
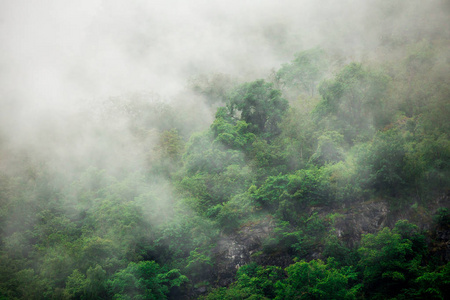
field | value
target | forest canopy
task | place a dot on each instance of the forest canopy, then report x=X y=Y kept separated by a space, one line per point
x=323 y=176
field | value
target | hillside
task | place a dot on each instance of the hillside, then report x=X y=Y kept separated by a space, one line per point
x=327 y=177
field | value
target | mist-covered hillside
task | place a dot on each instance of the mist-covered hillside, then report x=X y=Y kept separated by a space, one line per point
x=233 y=150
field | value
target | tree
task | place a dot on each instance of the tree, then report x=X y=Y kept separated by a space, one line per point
x=259 y=105
x=391 y=260
x=387 y=160
x=353 y=101
x=305 y=71
x=92 y=286
x=317 y=280
x=144 y=280
x=329 y=149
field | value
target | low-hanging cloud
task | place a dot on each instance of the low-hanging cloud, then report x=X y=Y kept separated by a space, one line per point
x=56 y=53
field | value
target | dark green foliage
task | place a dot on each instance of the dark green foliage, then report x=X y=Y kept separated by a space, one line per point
x=387 y=160
x=391 y=260
x=442 y=218
x=199 y=266
x=253 y=282
x=305 y=187
x=91 y=286
x=183 y=234
x=144 y=280
x=427 y=164
x=296 y=142
x=337 y=249
x=259 y=280
x=318 y=280
x=434 y=285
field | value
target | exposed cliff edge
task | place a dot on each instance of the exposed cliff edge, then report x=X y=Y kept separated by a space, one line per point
x=247 y=244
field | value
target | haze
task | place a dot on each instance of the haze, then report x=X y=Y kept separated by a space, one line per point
x=60 y=59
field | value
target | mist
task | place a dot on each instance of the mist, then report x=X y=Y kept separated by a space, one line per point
x=112 y=155
x=62 y=58
x=95 y=83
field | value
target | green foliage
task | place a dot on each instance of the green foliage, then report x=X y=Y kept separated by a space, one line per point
x=199 y=266
x=260 y=106
x=144 y=280
x=168 y=153
x=266 y=159
x=260 y=280
x=310 y=186
x=91 y=286
x=305 y=187
x=318 y=280
x=171 y=144
x=434 y=285
x=204 y=156
x=286 y=239
x=374 y=133
x=253 y=282
x=442 y=217
x=387 y=160
x=76 y=285
x=296 y=141
x=184 y=233
x=305 y=71
x=391 y=260
x=270 y=193
x=228 y=217
x=234 y=136
x=348 y=182
x=335 y=248
x=329 y=149
x=214 y=189
x=305 y=280
x=427 y=164
x=353 y=102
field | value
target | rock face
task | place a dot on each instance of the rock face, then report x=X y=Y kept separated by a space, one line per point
x=235 y=250
x=245 y=246
x=360 y=219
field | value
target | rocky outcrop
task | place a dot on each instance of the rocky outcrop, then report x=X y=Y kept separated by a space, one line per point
x=360 y=219
x=243 y=247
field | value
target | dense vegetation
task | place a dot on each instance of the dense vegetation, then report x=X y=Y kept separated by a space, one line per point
x=320 y=132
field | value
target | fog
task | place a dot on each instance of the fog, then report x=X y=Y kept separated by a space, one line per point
x=60 y=60
x=91 y=90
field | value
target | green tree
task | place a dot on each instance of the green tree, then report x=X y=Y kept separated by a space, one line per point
x=354 y=101
x=91 y=286
x=259 y=105
x=434 y=285
x=391 y=260
x=317 y=280
x=329 y=149
x=305 y=71
x=387 y=161
x=144 y=280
